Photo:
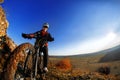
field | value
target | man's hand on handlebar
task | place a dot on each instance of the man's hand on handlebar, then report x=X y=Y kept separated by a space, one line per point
x=25 y=36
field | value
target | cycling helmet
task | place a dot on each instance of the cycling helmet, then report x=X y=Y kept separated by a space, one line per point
x=46 y=25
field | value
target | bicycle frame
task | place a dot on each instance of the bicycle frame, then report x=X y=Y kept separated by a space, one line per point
x=37 y=55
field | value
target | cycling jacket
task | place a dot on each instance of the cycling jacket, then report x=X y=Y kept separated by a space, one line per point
x=41 y=34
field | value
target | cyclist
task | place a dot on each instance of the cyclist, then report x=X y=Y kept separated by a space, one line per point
x=43 y=33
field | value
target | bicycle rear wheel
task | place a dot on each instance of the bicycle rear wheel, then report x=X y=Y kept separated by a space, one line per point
x=20 y=62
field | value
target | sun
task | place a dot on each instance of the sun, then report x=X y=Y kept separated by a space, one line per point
x=111 y=36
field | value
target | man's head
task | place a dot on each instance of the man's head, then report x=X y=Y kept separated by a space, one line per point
x=45 y=26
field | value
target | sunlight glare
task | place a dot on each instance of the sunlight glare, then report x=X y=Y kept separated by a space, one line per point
x=111 y=36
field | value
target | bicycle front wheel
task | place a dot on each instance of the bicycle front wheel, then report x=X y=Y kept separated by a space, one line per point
x=20 y=62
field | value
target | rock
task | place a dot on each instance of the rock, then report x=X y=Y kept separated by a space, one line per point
x=3 y=23
x=7 y=45
x=1 y=1
x=5 y=41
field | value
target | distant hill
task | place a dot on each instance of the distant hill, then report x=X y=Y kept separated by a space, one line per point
x=112 y=54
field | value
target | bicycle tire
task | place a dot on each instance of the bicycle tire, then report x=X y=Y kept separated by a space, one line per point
x=18 y=55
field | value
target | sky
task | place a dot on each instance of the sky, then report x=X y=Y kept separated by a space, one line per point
x=78 y=26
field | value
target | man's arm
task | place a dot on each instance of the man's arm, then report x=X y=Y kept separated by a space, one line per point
x=50 y=38
x=29 y=36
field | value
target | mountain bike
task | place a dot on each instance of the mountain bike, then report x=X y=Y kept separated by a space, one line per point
x=26 y=62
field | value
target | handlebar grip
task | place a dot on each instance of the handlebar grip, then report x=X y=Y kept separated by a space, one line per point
x=24 y=35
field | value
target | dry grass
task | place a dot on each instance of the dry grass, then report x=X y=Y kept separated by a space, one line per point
x=83 y=68
x=64 y=65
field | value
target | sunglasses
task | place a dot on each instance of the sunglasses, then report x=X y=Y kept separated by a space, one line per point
x=45 y=26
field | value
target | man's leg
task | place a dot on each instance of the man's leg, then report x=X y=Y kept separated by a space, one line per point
x=45 y=57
